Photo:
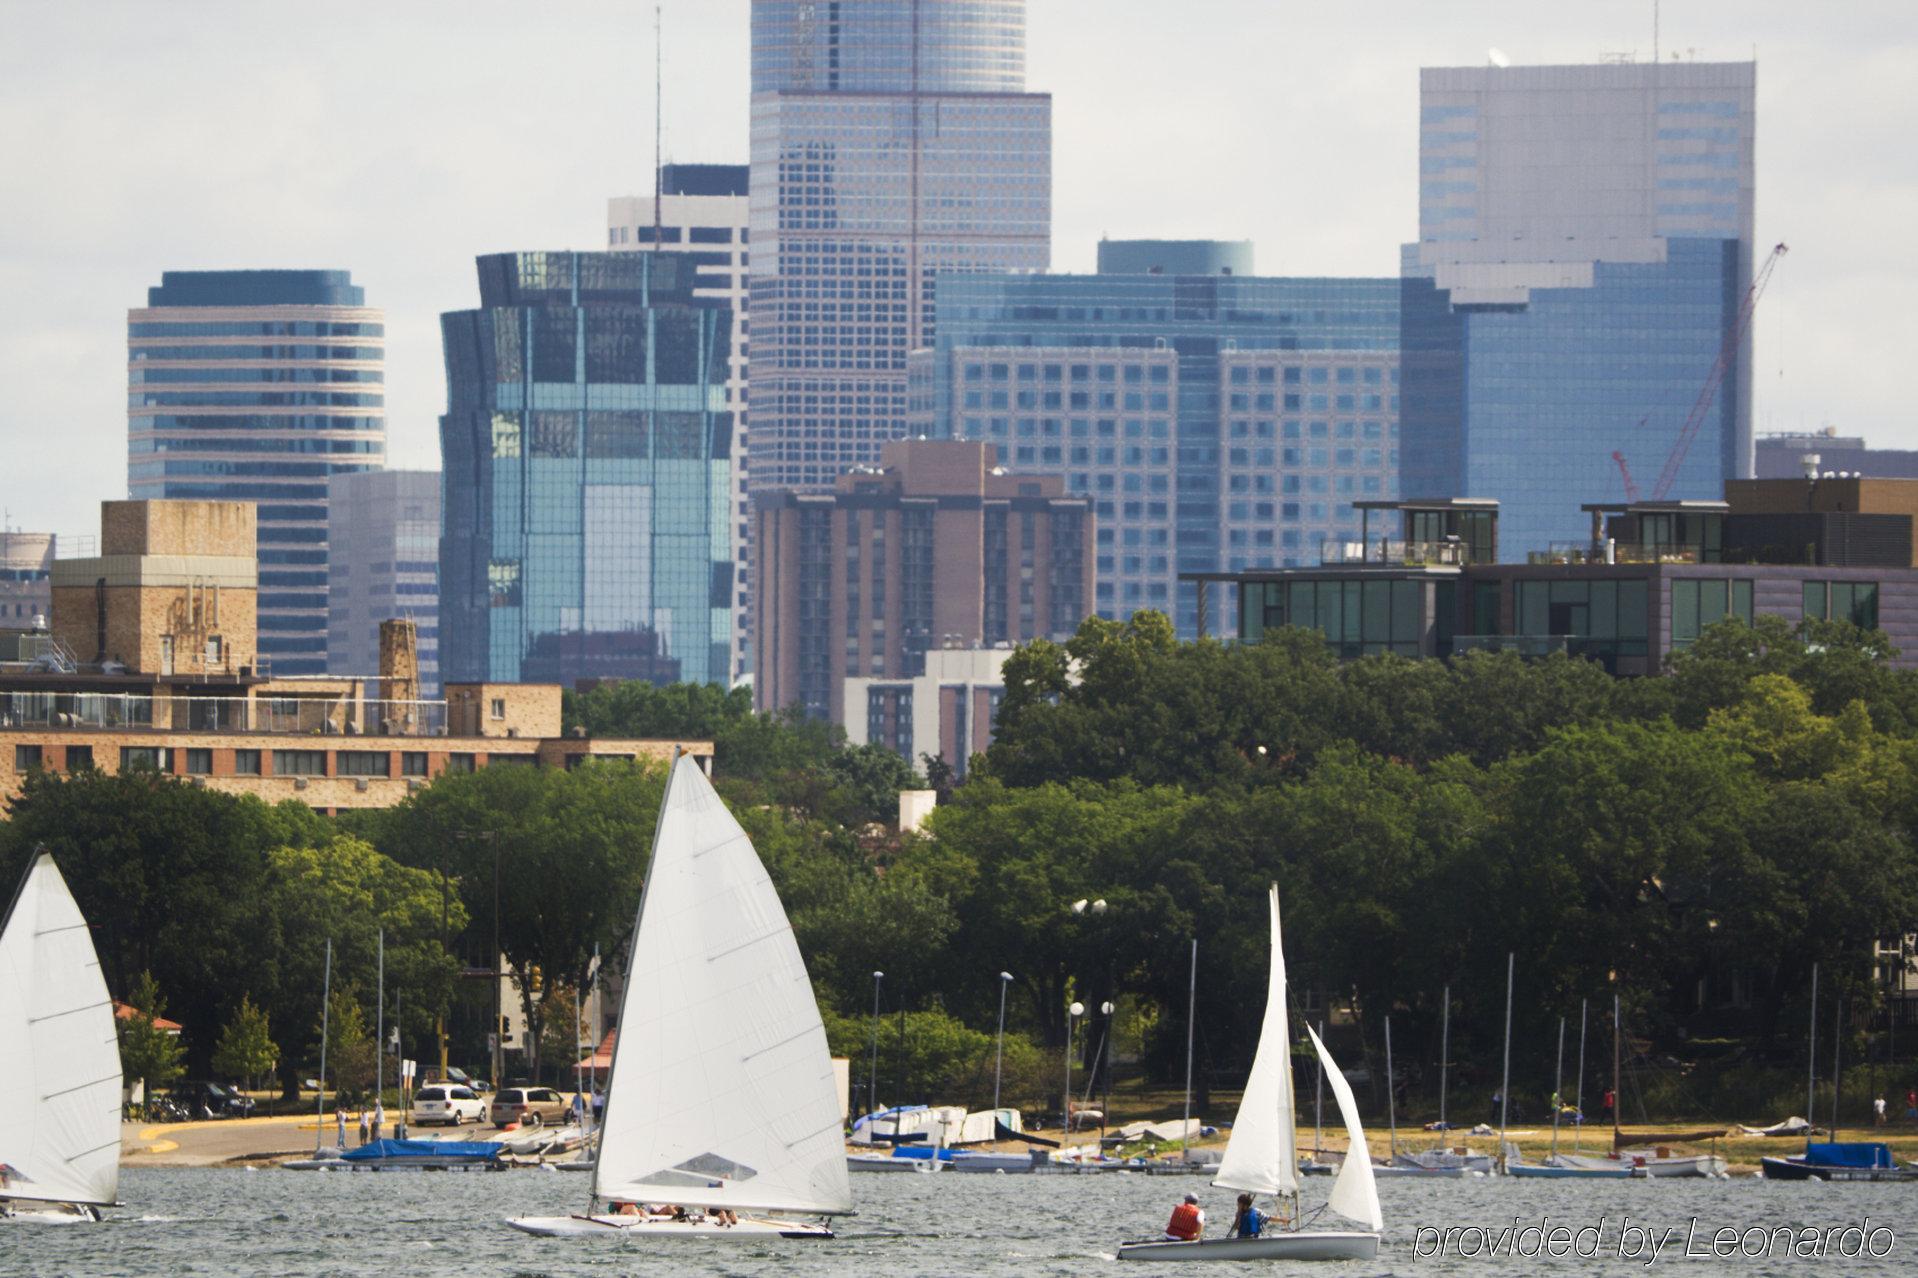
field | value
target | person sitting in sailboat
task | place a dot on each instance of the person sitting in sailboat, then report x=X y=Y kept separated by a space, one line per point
x=1249 y=1222
x=1188 y=1221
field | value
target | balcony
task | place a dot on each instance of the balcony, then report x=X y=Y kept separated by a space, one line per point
x=1613 y=552
x=1394 y=553
x=310 y=716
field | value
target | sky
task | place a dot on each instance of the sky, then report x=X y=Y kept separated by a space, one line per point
x=399 y=139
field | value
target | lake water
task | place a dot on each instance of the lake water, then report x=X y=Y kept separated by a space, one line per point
x=181 y=1222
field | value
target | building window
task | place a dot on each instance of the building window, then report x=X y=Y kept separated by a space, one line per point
x=79 y=758
x=199 y=761
x=246 y=763
x=26 y=758
x=498 y=709
x=299 y=763
x=152 y=758
x=1853 y=601
x=364 y=763
x=413 y=763
x=1699 y=602
x=459 y=762
x=524 y=760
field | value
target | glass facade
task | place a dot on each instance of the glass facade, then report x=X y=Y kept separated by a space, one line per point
x=383 y=533
x=892 y=142
x=260 y=386
x=1215 y=422
x=586 y=465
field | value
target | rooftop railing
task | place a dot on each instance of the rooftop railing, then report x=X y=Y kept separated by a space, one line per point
x=1394 y=552
x=314 y=716
x=1613 y=552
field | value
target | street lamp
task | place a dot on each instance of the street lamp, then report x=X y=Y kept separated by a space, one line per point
x=1105 y=1050
x=1077 y=1009
x=999 y=1061
x=872 y=1078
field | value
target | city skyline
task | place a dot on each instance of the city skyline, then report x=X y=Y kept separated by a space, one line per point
x=285 y=183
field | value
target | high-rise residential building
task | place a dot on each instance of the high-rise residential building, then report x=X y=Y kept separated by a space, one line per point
x=383 y=536
x=702 y=214
x=935 y=548
x=26 y=578
x=892 y=141
x=585 y=445
x=260 y=386
x=1214 y=419
x=1790 y=454
x=1585 y=246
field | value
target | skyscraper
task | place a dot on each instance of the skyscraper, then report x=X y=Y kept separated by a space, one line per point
x=1215 y=419
x=383 y=534
x=702 y=214
x=892 y=140
x=1585 y=243
x=585 y=447
x=260 y=386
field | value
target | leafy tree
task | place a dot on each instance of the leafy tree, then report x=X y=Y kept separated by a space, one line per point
x=349 y=1046
x=930 y=1057
x=148 y=1054
x=246 y=1050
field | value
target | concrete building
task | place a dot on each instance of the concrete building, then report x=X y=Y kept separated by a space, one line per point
x=947 y=712
x=1783 y=455
x=383 y=537
x=1585 y=245
x=151 y=662
x=260 y=386
x=1215 y=419
x=26 y=577
x=892 y=141
x=702 y=214
x=587 y=517
x=936 y=547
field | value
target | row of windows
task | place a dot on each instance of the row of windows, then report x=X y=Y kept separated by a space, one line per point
x=289 y=351
x=253 y=328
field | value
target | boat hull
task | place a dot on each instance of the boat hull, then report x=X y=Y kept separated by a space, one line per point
x=1304 y=1245
x=1539 y=1171
x=1793 y=1169
x=665 y=1227
x=39 y=1213
x=1707 y=1166
x=1397 y=1171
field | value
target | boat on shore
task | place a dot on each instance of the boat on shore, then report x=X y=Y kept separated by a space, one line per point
x=1838 y=1161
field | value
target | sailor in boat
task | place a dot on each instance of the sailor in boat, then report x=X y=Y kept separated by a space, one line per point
x=1249 y=1222
x=1188 y=1221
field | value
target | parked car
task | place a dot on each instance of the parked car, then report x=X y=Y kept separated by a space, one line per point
x=529 y=1105
x=447 y=1103
x=201 y=1099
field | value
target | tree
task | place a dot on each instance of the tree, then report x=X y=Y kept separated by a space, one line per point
x=148 y=1054
x=246 y=1050
x=349 y=1046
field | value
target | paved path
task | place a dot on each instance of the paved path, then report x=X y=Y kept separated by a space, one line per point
x=206 y=1144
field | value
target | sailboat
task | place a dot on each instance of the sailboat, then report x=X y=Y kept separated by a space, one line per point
x=59 y=1060
x=1262 y=1156
x=1442 y=1160
x=721 y=1097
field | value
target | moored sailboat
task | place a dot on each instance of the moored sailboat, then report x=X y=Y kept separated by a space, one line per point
x=1262 y=1155
x=59 y=1059
x=721 y=1100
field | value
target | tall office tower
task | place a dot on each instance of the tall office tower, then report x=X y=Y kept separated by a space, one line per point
x=383 y=536
x=585 y=443
x=260 y=386
x=702 y=214
x=1215 y=419
x=1585 y=244
x=892 y=141
x=26 y=578
x=932 y=549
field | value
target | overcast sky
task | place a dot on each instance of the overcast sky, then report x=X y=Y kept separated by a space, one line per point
x=400 y=138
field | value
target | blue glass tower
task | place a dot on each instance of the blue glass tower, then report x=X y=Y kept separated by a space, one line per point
x=260 y=386
x=585 y=447
x=1216 y=421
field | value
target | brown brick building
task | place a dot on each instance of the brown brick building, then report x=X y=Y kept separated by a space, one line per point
x=935 y=548
x=149 y=660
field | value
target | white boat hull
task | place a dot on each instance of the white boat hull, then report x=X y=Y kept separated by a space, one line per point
x=650 y=1227
x=38 y=1213
x=1304 y=1245
x=1707 y=1166
x=887 y=1163
x=1444 y=1160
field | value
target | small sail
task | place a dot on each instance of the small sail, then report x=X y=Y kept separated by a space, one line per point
x=721 y=1091
x=59 y=1052
x=1262 y=1153
x=1354 y=1194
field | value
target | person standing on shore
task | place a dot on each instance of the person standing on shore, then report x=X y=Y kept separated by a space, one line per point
x=339 y=1122
x=1878 y=1111
x=1610 y=1103
x=363 y=1126
x=379 y=1117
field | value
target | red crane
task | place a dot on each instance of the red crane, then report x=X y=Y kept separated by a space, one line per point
x=1727 y=358
x=1625 y=472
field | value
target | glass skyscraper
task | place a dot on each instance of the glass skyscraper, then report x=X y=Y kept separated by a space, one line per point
x=260 y=386
x=1585 y=242
x=1216 y=420
x=584 y=493
x=892 y=141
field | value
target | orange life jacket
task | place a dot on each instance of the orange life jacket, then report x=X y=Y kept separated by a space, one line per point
x=1184 y=1224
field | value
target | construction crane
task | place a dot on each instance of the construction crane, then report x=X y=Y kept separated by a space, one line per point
x=1625 y=472
x=1727 y=358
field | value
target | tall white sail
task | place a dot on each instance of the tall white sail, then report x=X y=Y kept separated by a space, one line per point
x=59 y=1052
x=721 y=1092
x=1262 y=1153
x=1354 y=1194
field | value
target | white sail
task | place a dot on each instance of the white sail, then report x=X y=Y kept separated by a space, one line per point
x=721 y=1092
x=59 y=1052
x=1354 y=1194
x=1262 y=1153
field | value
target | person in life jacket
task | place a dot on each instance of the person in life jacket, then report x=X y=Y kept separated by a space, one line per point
x=1188 y=1221
x=1249 y=1222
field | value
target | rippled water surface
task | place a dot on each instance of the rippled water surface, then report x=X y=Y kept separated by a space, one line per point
x=179 y=1222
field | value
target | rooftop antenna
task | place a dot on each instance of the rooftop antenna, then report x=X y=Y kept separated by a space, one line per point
x=659 y=181
x=1654 y=32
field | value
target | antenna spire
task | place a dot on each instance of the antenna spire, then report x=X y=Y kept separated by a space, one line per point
x=659 y=182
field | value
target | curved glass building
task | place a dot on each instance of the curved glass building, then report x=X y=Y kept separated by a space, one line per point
x=260 y=386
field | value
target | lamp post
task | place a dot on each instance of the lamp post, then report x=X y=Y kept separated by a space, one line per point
x=999 y=1059
x=872 y=1077
x=1077 y=1009
x=1105 y=1051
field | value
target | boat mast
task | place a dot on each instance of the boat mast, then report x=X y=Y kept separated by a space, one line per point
x=1191 y=1018
x=326 y=1007
x=1445 y=1058
x=1391 y=1101
x=379 y=1021
x=1811 y=1060
x=1318 y=1103
x=1617 y=1100
x=1837 y=1045
x=1579 y=1104
x=1505 y=1086
x=1558 y=1082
